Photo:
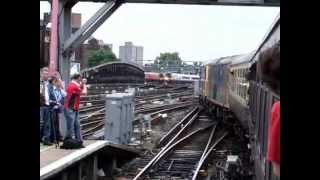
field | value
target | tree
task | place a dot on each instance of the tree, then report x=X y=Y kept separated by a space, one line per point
x=101 y=56
x=168 y=59
x=197 y=63
x=197 y=66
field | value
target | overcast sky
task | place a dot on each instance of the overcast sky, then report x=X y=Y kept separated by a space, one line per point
x=198 y=33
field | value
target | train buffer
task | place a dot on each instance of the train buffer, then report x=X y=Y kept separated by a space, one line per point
x=63 y=163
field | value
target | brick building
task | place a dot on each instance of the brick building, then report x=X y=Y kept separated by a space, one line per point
x=45 y=36
x=81 y=53
x=89 y=45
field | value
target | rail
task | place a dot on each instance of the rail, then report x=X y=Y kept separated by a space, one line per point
x=192 y=116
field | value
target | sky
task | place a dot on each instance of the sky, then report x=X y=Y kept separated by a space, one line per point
x=198 y=33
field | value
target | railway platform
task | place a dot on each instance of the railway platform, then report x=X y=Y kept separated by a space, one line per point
x=71 y=164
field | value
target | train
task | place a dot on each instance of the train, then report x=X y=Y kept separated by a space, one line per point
x=232 y=84
x=167 y=77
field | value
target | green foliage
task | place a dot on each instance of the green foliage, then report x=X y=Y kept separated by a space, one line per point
x=197 y=64
x=168 y=59
x=97 y=57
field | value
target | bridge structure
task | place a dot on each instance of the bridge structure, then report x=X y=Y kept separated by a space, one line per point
x=63 y=41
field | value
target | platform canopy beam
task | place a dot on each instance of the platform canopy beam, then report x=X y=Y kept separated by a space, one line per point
x=66 y=42
x=201 y=2
x=64 y=31
x=210 y=2
x=91 y=25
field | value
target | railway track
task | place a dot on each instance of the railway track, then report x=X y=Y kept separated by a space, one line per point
x=92 y=109
x=97 y=89
x=181 y=152
x=162 y=96
x=87 y=132
x=159 y=107
x=142 y=107
x=98 y=100
x=94 y=121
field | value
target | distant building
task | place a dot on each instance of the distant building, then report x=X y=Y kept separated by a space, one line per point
x=131 y=53
x=89 y=45
x=81 y=53
x=45 y=36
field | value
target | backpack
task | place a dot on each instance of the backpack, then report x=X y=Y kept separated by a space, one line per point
x=70 y=143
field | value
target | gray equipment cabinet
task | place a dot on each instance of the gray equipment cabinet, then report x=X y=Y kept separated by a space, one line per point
x=119 y=117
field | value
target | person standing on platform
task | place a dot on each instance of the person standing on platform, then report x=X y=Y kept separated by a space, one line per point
x=56 y=98
x=74 y=90
x=44 y=107
x=270 y=70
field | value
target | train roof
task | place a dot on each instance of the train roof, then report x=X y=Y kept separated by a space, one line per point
x=245 y=58
x=272 y=29
x=228 y=59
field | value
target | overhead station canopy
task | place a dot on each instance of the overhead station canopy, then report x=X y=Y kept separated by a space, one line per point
x=204 y=2
x=70 y=41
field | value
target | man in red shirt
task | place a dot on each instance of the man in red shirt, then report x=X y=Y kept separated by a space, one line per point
x=270 y=69
x=71 y=106
x=274 y=138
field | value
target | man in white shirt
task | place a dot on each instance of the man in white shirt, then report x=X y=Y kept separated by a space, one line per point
x=44 y=106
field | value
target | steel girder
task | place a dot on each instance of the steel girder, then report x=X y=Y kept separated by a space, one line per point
x=91 y=25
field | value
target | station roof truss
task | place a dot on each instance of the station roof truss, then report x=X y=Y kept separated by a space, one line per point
x=70 y=41
x=196 y=2
x=114 y=63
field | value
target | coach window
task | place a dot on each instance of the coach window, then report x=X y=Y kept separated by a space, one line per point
x=237 y=82
x=241 y=86
x=234 y=79
x=242 y=75
x=242 y=83
x=240 y=78
x=248 y=85
x=243 y=72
